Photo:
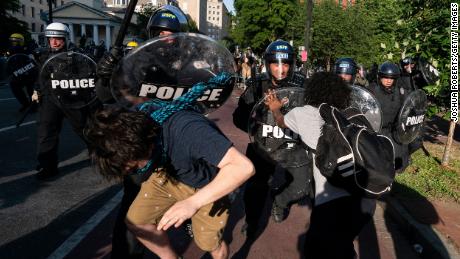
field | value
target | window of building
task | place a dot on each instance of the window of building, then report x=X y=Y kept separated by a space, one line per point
x=32 y=9
x=217 y=18
x=23 y=10
x=217 y=13
x=62 y=2
x=33 y=27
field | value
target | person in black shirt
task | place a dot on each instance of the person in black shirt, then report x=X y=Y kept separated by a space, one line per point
x=203 y=168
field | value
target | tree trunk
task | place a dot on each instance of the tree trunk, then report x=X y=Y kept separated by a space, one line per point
x=450 y=137
x=307 y=42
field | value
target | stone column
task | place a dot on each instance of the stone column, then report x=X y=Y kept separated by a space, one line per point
x=108 y=38
x=83 y=29
x=72 y=35
x=96 y=34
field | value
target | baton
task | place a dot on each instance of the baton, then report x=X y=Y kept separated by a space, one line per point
x=125 y=24
x=31 y=107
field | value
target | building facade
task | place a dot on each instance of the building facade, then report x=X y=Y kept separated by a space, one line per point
x=96 y=25
x=32 y=11
x=211 y=16
x=218 y=19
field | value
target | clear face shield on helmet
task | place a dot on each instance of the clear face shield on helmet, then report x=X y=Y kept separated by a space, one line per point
x=280 y=66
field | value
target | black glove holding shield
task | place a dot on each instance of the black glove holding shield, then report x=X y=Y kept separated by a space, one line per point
x=104 y=72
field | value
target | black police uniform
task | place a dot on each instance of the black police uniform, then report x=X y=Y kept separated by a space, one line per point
x=390 y=103
x=51 y=115
x=257 y=186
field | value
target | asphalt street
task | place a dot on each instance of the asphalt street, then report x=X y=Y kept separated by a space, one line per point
x=36 y=216
x=72 y=215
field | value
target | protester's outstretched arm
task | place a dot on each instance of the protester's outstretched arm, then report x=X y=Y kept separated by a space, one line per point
x=274 y=104
x=235 y=169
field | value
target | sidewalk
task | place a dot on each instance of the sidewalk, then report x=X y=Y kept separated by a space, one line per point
x=432 y=225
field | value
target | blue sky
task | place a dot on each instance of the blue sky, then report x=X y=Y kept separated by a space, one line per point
x=229 y=5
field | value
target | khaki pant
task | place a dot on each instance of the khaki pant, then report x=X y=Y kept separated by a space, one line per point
x=159 y=193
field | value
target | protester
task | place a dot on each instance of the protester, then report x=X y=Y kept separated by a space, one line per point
x=337 y=216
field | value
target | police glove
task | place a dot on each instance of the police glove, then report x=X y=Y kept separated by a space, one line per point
x=36 y=96
x=108 y=62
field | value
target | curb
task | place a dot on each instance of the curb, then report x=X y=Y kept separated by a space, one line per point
x=433 y=243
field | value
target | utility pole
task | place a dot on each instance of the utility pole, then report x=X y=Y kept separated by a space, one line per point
x=50 y=11
x=309 y=4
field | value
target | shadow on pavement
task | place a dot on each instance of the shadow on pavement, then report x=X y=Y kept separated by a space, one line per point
x=437 y=126
x=42 y=242
x=417 y=224
x=9 y=191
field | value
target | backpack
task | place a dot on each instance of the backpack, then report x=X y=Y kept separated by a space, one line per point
x=352 y=156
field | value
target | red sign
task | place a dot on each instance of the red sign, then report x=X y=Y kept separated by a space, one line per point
x=303 y=55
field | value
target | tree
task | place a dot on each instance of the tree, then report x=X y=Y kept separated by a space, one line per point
x=10 y=24
x=259 y=22
x=338 y=32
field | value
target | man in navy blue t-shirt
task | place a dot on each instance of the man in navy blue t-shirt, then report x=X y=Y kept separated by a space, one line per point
x=203 y=168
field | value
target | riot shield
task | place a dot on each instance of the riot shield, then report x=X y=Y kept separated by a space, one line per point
x=277 y=143
x=410 y=118
x=425 y=73
x=70 y=79
x=366 y=102
x=165 y=68
x=22 y=68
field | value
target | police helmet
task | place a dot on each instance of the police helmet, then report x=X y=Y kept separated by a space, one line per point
x=345 y=66
x=57 y=30
x=130 y=46
x=163 y=20
x=280 y=52
x=388 y=70
x=17 y=38
x=407 y=61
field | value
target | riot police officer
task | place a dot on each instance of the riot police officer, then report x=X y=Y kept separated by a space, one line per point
x=391 y=96
x=279 y=60
x=51 y=112
x=162 y=23
x=346 y=69
x=20 y=83
x=407 y=66
x=130 y=46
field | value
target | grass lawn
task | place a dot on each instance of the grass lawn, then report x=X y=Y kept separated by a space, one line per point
x=426 y=177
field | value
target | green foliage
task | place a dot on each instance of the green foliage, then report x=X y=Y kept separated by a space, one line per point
x=10 y=24
x=423 y=31
x=259 y=22
x=429 y=179
x=143 y=19
x=341 y=32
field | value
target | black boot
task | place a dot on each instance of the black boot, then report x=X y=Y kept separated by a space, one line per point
x=279 y=214
x=46 y=173
x=248 y=230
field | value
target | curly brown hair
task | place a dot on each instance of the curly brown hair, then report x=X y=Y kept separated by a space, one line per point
x=116 y=136
x=326 y=87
